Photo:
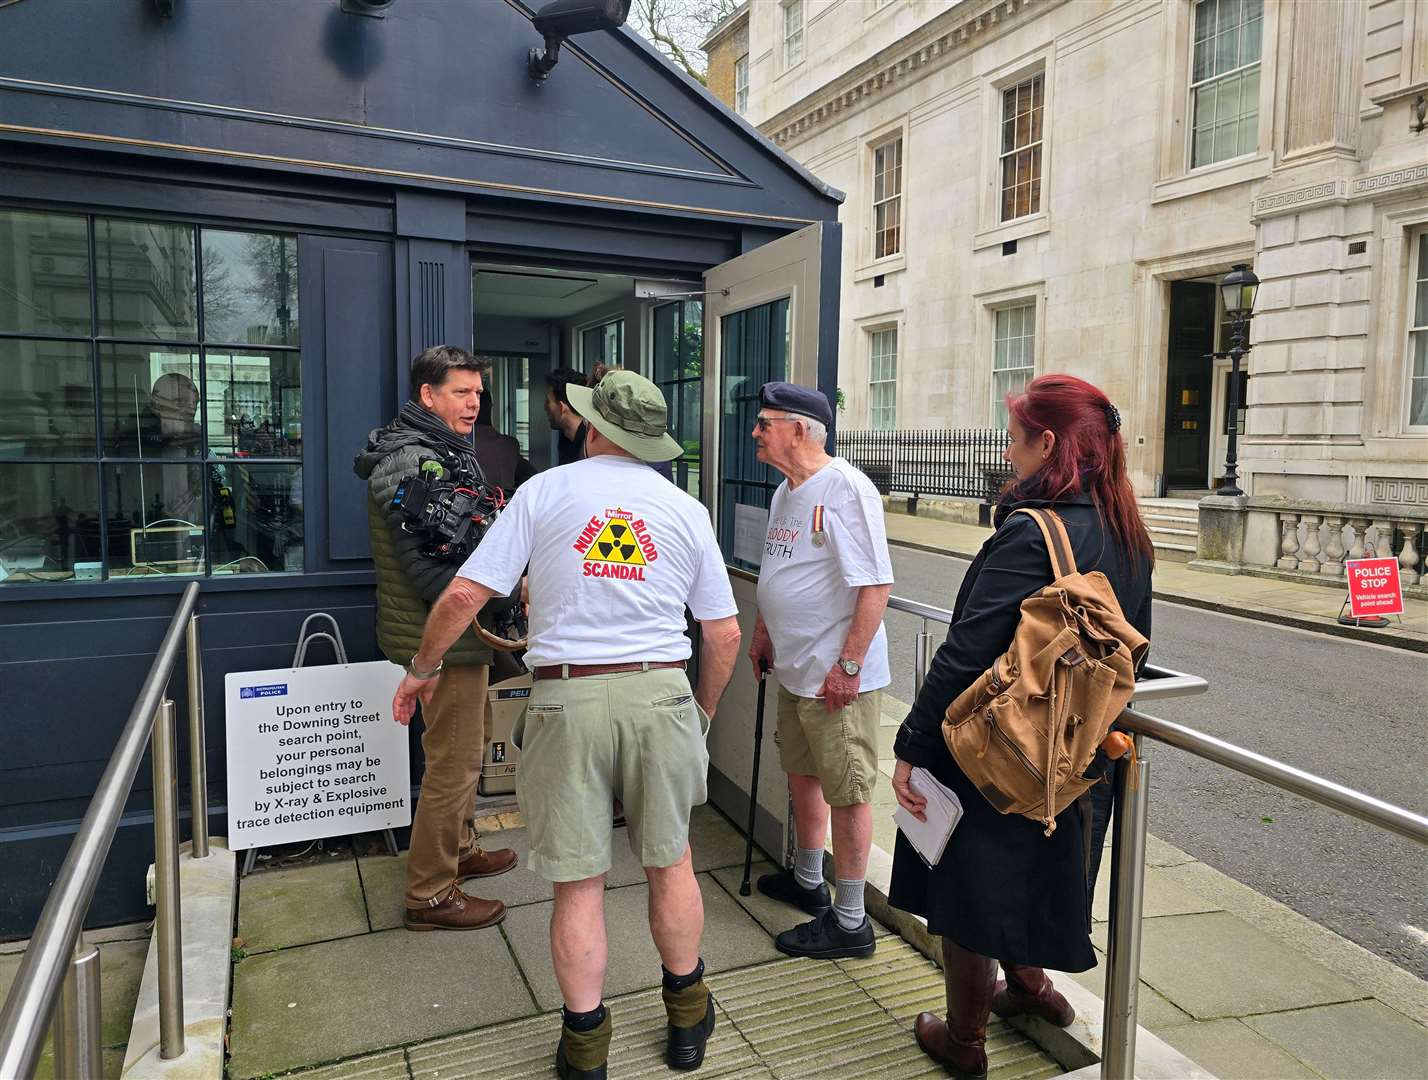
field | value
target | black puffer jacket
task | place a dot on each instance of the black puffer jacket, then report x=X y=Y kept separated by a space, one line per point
x=408 y=582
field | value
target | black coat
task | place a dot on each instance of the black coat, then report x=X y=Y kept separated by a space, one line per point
x=1002 y=888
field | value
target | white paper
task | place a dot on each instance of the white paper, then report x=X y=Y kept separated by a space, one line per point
x=942 y=812
x=751 y=526
x=314 y=752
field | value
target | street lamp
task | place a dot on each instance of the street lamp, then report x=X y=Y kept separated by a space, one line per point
x=1237 y=291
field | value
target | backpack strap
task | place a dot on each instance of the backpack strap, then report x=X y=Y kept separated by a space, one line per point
x=1058 y=544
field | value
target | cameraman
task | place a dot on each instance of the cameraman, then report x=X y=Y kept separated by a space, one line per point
x=436 y=423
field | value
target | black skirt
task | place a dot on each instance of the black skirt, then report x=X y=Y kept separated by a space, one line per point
x=1002 y=888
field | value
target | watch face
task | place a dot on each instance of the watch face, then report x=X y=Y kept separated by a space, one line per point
x=850 y=667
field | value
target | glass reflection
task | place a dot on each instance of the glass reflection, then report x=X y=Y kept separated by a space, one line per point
x=49 y=522
x=145 y=278
x=156 y=518
x=254 y=404
x=44 y=273
x=46 y=399
x=250 y=288
x=257 y=519
x=150 y=402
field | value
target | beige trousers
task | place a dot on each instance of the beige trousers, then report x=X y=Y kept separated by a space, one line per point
x=453 y=743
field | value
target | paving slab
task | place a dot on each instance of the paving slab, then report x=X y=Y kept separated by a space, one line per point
x=526 y=1048
x=298 y=905
x=1228 y=1048
x=1163 y=896
x=1214 y=965
x=335 y=999
x=1153 y=1011
x=391 y=1065
x=731 y=939
x=713 y=841
x=1356 y=1039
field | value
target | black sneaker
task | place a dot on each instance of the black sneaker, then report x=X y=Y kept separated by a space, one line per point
x=825 y=939
x=784 y=886
x=686 y=1044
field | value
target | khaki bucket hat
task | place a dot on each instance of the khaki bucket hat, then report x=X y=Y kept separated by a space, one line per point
x=630 y=411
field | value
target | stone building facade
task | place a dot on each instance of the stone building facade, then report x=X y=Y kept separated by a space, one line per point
x=1040 y=185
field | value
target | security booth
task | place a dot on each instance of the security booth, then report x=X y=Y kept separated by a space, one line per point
x=225 y=229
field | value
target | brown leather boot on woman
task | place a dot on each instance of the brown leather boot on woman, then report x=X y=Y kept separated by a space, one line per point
x=1028 y=990
x=960 y=1041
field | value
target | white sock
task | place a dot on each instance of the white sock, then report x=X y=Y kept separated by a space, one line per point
x=848 y=905
x=808 y=867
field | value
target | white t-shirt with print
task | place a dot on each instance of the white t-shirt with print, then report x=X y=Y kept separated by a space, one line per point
x=809 y=578
x=616 y=552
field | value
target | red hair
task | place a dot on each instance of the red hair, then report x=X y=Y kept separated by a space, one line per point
x=1089 y=455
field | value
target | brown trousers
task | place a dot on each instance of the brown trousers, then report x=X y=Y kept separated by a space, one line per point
x=453 y=743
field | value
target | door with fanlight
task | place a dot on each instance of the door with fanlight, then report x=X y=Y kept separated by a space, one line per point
x=769 y=315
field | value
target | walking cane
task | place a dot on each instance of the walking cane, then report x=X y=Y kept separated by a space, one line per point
x=754 y=786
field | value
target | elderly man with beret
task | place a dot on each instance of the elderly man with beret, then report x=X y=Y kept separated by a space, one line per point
x=823 y=586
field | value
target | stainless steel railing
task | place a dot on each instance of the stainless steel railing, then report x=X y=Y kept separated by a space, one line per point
x=58 y=967
x=1132 y=816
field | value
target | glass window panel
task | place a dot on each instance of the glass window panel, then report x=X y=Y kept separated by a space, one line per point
x=250 y=292
x=1420 y=303
x=156 y=515
x=149 y=402
x=1227 y=102
x=1251 y=39
x=254 y=403
x=46 y=399
x=666 y=342
x=1422 y=260
x=1418 y=397
x=256 y=524
x=44 y=273
x=1227 y=48
x=145 y=278
x=1204 y=19
x=691 y=339
x=49 y=522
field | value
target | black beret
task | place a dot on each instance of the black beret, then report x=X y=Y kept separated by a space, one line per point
x=792 y=398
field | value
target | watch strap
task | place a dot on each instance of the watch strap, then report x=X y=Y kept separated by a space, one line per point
x=416 y=673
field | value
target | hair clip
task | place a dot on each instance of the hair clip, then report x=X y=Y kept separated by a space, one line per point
x=1113 y=417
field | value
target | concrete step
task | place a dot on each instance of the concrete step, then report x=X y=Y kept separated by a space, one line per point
x=1171 y=535
x=1177 y=504
x=1173 y=552
x=1175 y=521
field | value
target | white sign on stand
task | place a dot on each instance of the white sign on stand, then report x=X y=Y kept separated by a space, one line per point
x=314 y=752
x=751 y=526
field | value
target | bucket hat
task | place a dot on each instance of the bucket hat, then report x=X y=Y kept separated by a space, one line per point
x=630 y=411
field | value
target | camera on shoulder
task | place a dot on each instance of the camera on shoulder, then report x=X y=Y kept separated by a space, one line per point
x=450 y=507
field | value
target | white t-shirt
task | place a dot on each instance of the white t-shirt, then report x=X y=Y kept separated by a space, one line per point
x=616 y=552
x=825 y=540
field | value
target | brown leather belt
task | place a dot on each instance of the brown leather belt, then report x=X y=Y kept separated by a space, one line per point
x=579 y=671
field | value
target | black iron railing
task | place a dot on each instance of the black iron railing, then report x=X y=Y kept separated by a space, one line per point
x=963 y=464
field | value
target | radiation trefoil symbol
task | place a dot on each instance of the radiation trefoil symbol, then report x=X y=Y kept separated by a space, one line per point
x=618 y=546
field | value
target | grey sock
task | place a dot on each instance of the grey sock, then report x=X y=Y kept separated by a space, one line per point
x=808 y=867
x=848 y=906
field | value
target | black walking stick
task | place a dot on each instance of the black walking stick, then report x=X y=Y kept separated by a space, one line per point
x=754 y=786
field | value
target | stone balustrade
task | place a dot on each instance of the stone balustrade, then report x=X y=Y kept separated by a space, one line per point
x=1308 y=541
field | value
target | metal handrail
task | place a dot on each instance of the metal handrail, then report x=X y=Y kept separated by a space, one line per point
x=52 y=952
x=1131 y=821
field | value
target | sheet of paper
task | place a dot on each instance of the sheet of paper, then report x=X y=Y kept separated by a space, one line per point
x=942 y=812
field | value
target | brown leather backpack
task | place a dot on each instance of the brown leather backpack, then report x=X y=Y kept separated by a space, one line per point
x=1026 y=731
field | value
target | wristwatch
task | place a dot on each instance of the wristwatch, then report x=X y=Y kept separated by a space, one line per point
x=416 y=673
x=850 y=667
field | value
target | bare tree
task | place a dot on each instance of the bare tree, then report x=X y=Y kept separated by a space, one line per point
x=678 y=27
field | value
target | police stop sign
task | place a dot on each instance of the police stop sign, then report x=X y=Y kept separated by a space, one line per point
x=1374 y=587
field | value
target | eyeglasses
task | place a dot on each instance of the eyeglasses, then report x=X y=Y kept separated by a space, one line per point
x=763 y=422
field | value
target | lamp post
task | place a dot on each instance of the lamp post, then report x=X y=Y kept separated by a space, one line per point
x=1238 y=291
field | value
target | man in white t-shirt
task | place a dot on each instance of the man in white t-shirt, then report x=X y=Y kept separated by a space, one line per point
x=615 y=553
x=823 y=586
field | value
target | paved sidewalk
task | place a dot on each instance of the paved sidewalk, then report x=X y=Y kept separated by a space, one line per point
x=327 y=978
x=1239 y=983
x=1309 y=607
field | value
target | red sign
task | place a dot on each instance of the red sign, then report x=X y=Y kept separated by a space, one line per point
x=1373 y=587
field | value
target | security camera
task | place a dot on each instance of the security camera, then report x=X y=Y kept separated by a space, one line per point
x=561 y=19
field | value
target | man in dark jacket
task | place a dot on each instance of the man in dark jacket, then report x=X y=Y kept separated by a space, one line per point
x=435 y=423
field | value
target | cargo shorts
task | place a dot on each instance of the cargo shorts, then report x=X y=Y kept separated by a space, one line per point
x=636 y=736
x=840 y=748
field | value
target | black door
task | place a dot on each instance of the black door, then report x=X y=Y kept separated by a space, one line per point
x=1187 y=392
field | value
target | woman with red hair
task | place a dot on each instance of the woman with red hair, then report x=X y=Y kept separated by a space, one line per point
x=1003 y=891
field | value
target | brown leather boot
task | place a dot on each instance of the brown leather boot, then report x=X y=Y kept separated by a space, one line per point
x=455 y=910
x=1028 y=990
x=480 y=863
x=960 y=1041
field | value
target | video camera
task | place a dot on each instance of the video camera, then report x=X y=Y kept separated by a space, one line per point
x=449 y=506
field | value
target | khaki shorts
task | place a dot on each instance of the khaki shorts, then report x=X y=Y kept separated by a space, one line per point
x=634 y=736
x=841 y=748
